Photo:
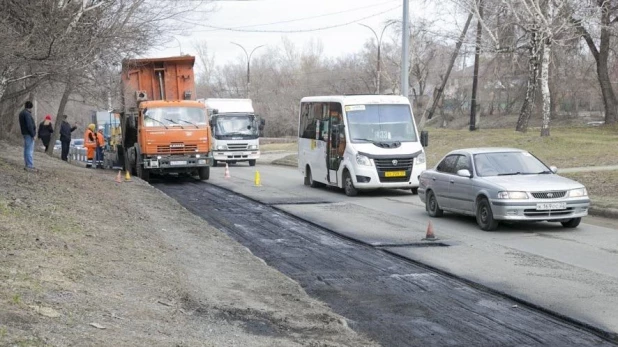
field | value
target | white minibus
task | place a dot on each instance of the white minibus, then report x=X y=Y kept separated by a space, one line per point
x=360 y=142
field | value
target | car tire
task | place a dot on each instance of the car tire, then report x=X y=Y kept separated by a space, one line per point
x=348 y=184
x=484 y=216
x=571 y=223
x=309 y=180
x=414 y=191
x=431 y=205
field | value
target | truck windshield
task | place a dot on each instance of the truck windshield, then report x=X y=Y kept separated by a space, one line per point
x=235 y=126
x=174 y=116
x=379 y=123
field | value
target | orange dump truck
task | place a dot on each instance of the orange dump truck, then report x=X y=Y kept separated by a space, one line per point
x=163 y=129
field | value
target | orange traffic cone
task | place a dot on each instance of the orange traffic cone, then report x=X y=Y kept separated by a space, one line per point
x=430 y=235
x=127 y=176
x=119 y=177
x=227 y=171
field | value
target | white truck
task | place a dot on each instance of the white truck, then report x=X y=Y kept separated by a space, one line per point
x=236 y=130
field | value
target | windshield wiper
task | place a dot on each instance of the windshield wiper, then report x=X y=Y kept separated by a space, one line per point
x=236 y=133
x=546 y=172
x=173 y=121
x=366 y=140
x=156 y=120
x=182 y=120
x=510 y=174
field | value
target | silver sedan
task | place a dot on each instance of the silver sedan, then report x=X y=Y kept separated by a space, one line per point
x=501 y=184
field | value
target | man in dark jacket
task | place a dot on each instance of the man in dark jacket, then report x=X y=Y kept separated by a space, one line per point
x=45 y=131
x=28 y=131
x=65 y=137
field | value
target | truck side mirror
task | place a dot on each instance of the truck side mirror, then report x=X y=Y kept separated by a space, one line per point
x=262 y=123
x=424 y=138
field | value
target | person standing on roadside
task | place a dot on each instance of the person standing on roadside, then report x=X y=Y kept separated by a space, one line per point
x=45 y=131
x=28 y=131
x=90 y=144
x=65 y=137
x=100 y=146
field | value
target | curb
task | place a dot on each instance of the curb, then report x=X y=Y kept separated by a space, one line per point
x=603 y=212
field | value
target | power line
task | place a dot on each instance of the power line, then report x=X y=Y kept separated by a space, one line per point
x=311 y=17
x=292 y=31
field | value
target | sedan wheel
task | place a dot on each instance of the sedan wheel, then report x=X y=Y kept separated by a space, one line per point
x=571 y=223
x=485 y=217
x=431 y=205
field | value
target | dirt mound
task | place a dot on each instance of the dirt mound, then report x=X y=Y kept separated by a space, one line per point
x=86 y=261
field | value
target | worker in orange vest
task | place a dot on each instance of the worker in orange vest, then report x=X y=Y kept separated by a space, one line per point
x=100 y=146
x=90 y=144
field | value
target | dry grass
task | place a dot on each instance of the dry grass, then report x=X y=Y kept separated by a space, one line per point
x=566 y=147
x=270 y=147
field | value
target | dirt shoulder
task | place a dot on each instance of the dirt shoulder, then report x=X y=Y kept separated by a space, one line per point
x=86 y=261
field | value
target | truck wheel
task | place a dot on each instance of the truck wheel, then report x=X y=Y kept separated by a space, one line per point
x=252 y=162
x=214 y=163
x=204 y=173
x=143 y=173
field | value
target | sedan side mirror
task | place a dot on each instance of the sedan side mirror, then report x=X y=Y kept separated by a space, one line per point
x=464 y=173
x=553 y=169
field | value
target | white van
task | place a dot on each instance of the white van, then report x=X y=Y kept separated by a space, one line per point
x=360 y=142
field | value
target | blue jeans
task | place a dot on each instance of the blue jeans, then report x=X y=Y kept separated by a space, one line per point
x=28 y=151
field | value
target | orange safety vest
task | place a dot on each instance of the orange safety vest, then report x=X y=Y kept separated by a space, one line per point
x=89 y=139
x=100 y=140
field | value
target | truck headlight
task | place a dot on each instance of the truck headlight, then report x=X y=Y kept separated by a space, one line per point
x=579 y=192
x=512 y=195
x=363 y=160
x=252 y=147
x=420 y=159
x=221 y=147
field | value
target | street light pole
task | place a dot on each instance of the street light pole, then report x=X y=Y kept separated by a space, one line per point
x=248 y=55
x=405 y=42
x=379 y=42
x=179 y=45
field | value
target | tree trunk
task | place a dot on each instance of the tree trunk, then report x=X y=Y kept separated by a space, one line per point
x=58 y=123
x=533 y=72
x=545 y=93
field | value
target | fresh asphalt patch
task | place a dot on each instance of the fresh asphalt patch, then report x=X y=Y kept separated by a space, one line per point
x=393 y=301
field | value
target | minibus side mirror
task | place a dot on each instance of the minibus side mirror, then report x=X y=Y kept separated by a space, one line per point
x=424 y=138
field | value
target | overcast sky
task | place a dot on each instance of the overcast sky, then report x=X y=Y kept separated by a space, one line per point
x=252 y=20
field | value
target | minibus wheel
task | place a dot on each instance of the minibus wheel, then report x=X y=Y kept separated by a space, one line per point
x=348 y=184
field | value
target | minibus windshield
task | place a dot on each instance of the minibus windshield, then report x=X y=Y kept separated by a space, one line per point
x=380 y=123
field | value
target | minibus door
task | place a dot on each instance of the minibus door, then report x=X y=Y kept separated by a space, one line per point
x=334 y=155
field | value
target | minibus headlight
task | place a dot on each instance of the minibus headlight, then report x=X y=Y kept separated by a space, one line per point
x=363 y=160
x=420 y=159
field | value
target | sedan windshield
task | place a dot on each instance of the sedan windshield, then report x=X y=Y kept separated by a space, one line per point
x=236 y=125
x=508 y=163
x=174 y=116
x=378 y=123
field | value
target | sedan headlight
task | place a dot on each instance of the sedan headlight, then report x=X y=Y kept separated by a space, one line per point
x=512 y=195
x=252 y=147
x=363 y=160
x=575 y=193
x=221 y=147
x=420 y=159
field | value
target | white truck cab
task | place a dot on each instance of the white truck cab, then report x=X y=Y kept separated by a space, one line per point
x=235 y=129
x=360 y=142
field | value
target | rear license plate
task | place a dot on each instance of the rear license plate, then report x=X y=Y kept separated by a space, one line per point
x=394 y=174
x=551 y=206
x=178 y=162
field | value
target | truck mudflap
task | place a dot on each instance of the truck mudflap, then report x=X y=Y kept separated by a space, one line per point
x=178 y=161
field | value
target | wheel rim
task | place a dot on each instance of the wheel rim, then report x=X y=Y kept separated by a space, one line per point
x=484 y=214
x=432 y=203
x=348 y=183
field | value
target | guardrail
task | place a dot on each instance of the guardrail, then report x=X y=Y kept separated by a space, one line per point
x=77 y=154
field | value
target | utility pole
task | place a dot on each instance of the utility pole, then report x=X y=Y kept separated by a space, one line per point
x=248 y=66
x=379 y=42
x=405 y=43
x=475 y=79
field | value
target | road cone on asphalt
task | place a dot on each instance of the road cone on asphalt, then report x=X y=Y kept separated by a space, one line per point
x=430 y=235
x=127 y=176
x=119 y=177
x=227 y=171
x=257 y=181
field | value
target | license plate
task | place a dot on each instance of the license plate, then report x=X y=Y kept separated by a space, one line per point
x=394 y=174
x=551 y=206
x=178 y=162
